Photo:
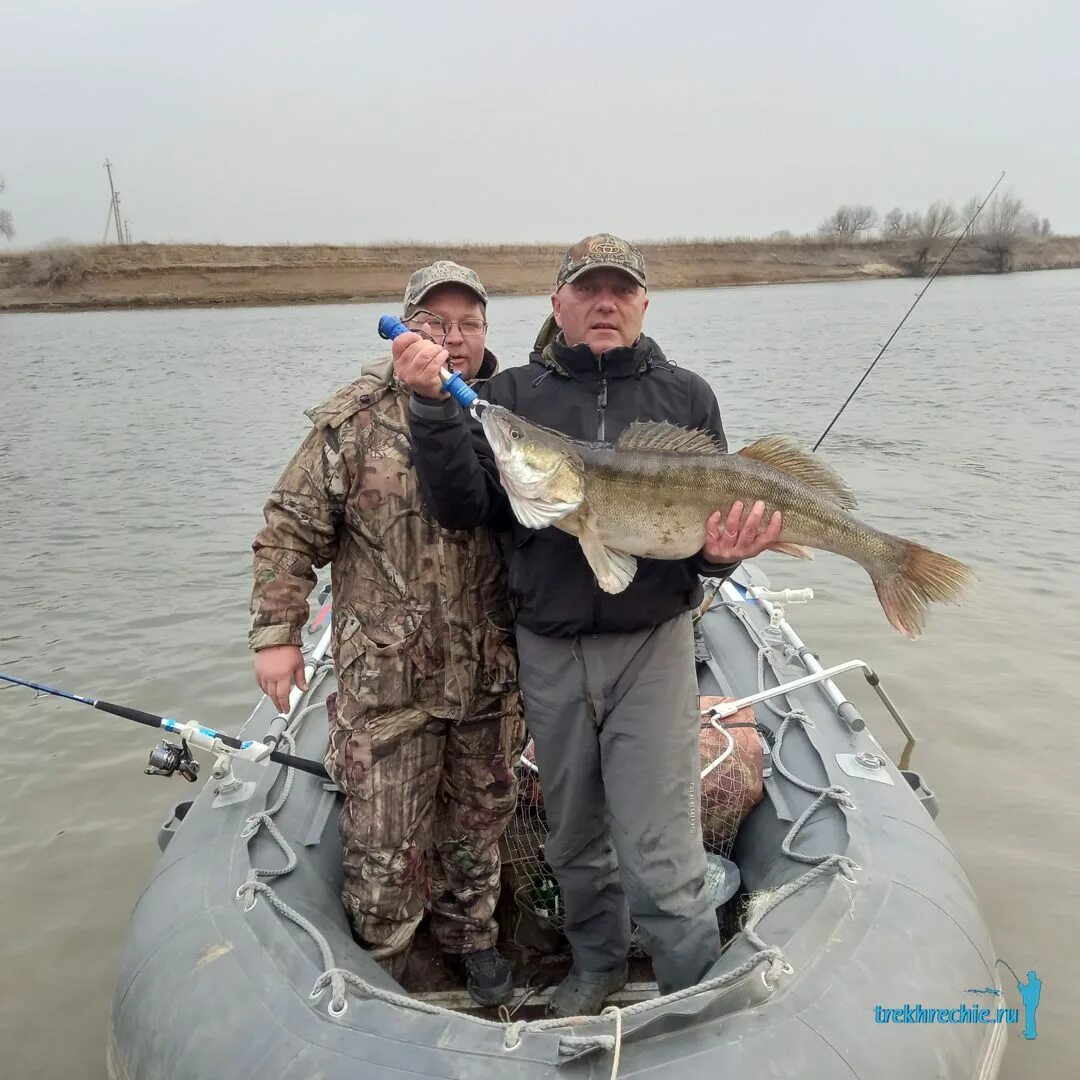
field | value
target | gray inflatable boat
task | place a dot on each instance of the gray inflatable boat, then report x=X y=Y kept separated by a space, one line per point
x=239 y=962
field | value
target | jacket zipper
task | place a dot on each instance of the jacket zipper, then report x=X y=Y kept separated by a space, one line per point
x=601 y=430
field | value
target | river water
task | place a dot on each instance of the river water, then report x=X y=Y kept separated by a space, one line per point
x=136 y=450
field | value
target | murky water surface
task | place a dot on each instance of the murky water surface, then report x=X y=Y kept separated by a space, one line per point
x=136 y=450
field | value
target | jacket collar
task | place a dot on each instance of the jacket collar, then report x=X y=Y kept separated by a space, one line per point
x=580 y=362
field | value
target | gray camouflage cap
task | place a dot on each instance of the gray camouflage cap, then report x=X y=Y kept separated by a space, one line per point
x=603 y=249
x=443 y=272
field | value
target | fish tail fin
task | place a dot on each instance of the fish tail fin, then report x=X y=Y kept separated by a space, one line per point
x=919 y=577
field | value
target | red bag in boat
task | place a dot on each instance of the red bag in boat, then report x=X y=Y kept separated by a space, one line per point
x=529 y=790
x=731 y=790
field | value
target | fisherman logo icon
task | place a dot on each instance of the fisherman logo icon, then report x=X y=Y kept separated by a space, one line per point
x=1030 y=993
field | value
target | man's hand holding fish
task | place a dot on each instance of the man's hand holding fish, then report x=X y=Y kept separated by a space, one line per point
x=734 y=539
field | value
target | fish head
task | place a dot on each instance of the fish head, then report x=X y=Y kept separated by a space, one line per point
x=540 y=471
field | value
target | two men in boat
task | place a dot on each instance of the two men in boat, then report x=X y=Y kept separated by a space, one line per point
x=426 y=723
x=609 y=681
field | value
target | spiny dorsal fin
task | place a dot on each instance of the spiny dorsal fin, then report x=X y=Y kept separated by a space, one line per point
x=667 y=438
x=784 y=453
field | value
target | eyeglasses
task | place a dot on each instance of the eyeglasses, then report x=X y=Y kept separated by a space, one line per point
x=439 y=329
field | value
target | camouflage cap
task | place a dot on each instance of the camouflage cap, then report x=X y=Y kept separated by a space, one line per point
x=443 y=272
x=603 y=249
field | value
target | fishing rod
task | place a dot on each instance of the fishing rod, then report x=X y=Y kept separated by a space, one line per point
x=929 y=282
x=167 y=758
x=1009 y=966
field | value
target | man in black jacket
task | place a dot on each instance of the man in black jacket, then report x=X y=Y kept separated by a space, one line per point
x=608 y=680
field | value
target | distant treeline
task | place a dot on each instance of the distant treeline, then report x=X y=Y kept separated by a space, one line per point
x=1003 y=221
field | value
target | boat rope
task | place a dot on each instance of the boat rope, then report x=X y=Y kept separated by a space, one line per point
x=339 y=980
x=253 y=885
x=615 y=1012
x=265 y=820
x=841 y=796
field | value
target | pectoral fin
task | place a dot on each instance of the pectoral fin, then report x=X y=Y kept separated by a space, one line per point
x=614 y=570
x=539 y=513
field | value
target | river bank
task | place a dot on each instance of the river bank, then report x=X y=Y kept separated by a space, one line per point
x=81 y=278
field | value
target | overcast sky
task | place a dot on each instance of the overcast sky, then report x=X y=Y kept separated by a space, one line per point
x=356 y=121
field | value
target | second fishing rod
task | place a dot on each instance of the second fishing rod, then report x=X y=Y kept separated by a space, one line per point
x=922 y=292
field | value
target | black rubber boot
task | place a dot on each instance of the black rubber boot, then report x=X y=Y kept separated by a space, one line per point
x=488 y=977
x=583 y=994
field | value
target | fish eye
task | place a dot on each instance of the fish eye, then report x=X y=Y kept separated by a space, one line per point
x=515 y=433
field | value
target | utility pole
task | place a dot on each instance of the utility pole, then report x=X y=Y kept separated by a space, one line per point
x=115 y=206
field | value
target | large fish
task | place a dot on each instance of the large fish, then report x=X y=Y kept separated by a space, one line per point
x=650 y=494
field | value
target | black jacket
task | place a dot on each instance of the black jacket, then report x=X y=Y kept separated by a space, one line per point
x=573 y=391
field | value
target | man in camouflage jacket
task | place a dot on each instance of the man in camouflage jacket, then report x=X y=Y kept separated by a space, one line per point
x=426 y=722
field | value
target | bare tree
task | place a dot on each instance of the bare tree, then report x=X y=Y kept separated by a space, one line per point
x=1004 y=214
x=899 y=224
x=930 y=228
x=849 y=221
x=939 y=221
x=1044 y=228
x=1004 y=221
x=7 y=226
x=893 y=222
x=836 y=224
x=967 y=212
x=866 y=218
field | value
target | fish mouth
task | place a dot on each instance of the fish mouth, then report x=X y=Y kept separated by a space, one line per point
x=496 y=428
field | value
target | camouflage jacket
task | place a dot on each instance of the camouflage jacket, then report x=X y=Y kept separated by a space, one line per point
x=421 y=615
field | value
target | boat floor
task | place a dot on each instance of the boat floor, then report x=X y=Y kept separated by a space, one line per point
x=540 y=959
x=432 y=976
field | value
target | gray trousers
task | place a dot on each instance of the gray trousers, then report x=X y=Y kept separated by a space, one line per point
x=615 y=721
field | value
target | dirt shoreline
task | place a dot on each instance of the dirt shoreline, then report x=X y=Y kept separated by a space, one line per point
x=70 y=278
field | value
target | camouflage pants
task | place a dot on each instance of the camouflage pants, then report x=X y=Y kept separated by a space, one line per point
x=426 y=802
